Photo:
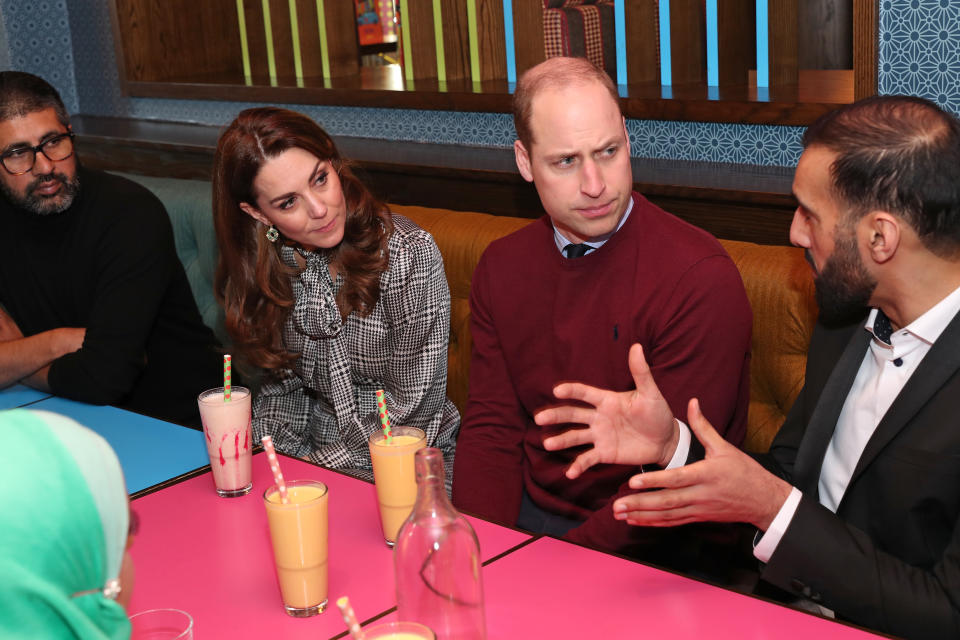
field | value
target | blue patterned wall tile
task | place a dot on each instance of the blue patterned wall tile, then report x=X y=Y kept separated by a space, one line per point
x=40 y=42
x=920 y=50
x=97 y=77
x=72 y=46
x=712 y=142
x=4 y=45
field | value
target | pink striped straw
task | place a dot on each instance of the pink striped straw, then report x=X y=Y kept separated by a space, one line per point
x=275 y=468
x=350 y=618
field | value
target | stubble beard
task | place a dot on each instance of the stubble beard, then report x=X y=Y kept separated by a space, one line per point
x=44 y=205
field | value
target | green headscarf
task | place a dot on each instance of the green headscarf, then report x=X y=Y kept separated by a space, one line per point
x=64 y=513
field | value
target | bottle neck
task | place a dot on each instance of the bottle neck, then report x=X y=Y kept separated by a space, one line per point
x=432 y=489
x=428 y=463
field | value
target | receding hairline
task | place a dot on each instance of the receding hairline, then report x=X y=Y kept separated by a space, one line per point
x=554 y=75
x=562 y=70
x=562 y=73
x=899 y=154
x=901 y=122
x=879 y=126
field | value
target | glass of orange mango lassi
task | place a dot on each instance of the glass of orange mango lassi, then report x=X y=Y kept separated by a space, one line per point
x=226 y=428
x=394 y=476
x=298 y=531
x=399 y=631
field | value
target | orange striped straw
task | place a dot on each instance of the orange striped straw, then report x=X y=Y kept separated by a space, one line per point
x=384 y=416
x=275 y=468
x=226 y=377
x=350 y=618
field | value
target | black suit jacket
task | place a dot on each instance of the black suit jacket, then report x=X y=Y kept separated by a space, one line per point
x=890 y=557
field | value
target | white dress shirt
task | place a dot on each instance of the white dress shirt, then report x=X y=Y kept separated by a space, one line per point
x=883 y=373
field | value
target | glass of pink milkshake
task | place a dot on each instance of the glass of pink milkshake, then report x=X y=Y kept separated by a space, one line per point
x=226 y=426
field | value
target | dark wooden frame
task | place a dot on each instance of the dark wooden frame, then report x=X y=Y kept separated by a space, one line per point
x=789 y=104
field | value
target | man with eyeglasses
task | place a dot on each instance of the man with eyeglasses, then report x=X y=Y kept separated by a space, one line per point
x=94 y=303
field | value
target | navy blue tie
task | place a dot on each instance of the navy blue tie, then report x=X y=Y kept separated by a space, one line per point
x=576 y=250
x=882 y=328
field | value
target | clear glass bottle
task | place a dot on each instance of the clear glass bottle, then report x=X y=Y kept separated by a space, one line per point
x=437 y=560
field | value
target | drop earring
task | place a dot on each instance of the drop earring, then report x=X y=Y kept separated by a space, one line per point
x=272 y=234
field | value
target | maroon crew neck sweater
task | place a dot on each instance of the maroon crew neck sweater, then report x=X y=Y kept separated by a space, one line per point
x=538 y=318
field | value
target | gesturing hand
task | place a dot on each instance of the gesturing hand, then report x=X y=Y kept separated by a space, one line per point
x=726 y=486
x=629 y=427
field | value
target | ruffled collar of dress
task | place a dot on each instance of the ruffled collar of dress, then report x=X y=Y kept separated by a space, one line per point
x=315 y=312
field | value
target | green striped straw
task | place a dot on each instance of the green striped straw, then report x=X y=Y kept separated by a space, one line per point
x=226 y=377
x=384 y=416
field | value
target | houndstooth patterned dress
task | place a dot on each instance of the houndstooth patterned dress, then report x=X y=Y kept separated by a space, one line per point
x=325 y=406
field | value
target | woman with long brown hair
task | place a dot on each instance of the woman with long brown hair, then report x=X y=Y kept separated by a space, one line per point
x=328 y=293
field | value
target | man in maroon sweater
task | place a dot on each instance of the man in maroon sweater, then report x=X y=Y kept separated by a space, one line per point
x=564 y=298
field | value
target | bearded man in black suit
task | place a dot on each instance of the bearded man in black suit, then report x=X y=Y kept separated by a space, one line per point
x=857 y=504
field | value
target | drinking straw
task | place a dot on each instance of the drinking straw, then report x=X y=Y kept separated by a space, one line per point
x=350 y=618
x=384 y=416
x=275 y=468
x=226 y=377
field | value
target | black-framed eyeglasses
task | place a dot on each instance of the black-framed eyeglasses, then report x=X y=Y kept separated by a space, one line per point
x=20 y=160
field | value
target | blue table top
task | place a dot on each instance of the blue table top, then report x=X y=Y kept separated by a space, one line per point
x=150 y=450
x=19 y=395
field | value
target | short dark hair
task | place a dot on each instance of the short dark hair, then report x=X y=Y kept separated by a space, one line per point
x=555 y=72
x=899 y=154
x=22 y=93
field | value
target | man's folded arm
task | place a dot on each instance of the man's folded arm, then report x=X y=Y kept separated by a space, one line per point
x=27 y=359
x=132 y=280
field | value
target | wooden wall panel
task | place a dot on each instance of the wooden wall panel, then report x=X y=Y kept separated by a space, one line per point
x=456 y=39
x=422 y=40
x=157 y=32
x=643 y=41
x=310 y=55
x=825 y=34
x=256 y=38
x=220 y=46
x=865 y=24
x=342 y=38
x=491 y=45
x=736 y=45
x=190 y=49
x=282 y=38
x=688 y=53
x=784 y=58
x=528 y=34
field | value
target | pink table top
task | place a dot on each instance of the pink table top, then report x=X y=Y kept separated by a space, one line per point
x=567 y=591
x=211 y=556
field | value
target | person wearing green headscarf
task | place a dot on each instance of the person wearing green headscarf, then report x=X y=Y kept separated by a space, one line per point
x=65 y=516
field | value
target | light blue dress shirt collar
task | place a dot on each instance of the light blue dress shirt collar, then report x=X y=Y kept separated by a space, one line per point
x=592 y=245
